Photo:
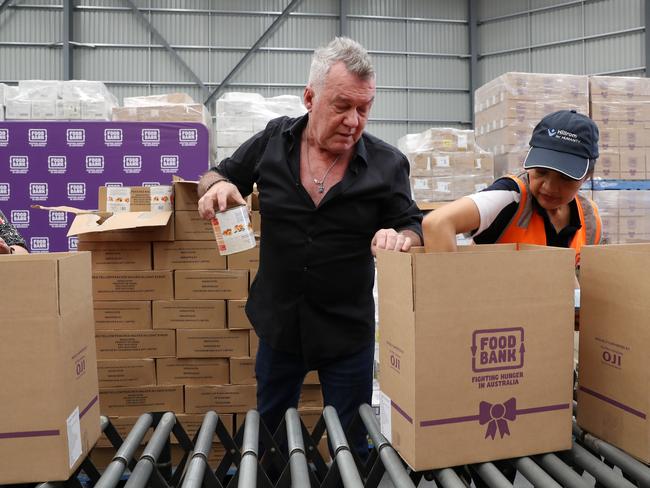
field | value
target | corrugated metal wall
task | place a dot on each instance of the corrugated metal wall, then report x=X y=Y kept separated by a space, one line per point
x=420 y=47
x=560 y=36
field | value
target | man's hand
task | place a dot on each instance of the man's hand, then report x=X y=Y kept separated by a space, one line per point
x=217 y=197
x=4 y=248
x=390 y=240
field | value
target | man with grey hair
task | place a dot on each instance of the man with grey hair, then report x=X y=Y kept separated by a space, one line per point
x=330 y=195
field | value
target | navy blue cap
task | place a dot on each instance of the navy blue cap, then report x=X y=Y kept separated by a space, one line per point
x=564 y=141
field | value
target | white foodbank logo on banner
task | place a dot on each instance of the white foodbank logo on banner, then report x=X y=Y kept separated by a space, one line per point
x=75 y=137
x=58 y=219
x=112 y=183
x=169 y=163
x=188 y=137
x=150 y=183
x=132 y=164
x=37 y=137
x=94 y=164
x=20 y=218
x=38 y=191
x=39 y=244
x=150 y=137
x=4 y=137
x=73 y=242
x=113 y=137
x=5 y=191
x=57 y=164
x=19 y=165
x=76 y=191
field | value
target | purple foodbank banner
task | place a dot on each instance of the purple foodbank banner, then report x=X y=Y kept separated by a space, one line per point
x=64 y=163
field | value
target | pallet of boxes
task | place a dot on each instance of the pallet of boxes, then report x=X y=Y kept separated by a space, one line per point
x=621 y=108
x=507 y=109
x=446 y=164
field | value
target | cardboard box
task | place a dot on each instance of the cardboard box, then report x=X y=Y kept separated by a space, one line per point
x=174 y=371
x=249 y=259
x=211 y=343
x=187 y=255
x=220 y=398
x=633 y=138
x=122 y=315
x=310 y=416
x=115 y=256
x=129 y=226
x=191 y=424
x=102 y=456
x=190 y=226
x=242 y=371
x=210 y=285
x=135 y=198
x=613 y=385
x=633 y=163
x=135 y=344
x=123 y=425
x=256 y=220
x=499 y=399
x=134 y=285
x=311 y=396
x=189 y=314
x=608 y=139
x=254 y=343
x=98 y=226
x=185 y=196
x=50 y=418
x=140 y=399
x=115 y=373
x=237 y=318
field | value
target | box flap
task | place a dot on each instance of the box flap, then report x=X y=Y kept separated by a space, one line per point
x=32 y=285
x=90 y=223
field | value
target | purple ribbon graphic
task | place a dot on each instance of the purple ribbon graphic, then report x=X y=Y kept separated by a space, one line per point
x=497 y=416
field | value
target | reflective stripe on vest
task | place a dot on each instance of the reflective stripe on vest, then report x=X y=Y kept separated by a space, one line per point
x=527 y=226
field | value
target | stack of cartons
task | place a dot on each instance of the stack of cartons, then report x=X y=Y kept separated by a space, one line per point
x=242 y=115
x=620 y=106
x=625 y=215
x=171 y=330
x=446 y=164
x=508 y=108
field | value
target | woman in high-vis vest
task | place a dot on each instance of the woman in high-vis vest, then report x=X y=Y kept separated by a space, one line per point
x=541 y=205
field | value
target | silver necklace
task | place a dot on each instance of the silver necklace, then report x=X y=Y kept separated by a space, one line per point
x=320 y=183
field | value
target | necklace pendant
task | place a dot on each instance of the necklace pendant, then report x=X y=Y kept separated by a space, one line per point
x=321 y=188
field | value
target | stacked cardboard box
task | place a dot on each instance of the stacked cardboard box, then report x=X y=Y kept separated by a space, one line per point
x=59 y=100
x=171 y=330
x=625 y=215
x=446 y=164
x=242 y=115
x=621 y=108
x=508 y=108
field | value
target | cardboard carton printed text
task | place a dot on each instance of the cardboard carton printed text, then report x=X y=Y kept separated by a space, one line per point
x=497 y=349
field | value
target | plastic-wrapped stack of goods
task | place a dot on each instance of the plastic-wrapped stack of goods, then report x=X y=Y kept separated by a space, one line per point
x=58 y=100
x=167 y=107
x=621 y=108
x=625 y=215
x=446 y=164
x=508 y=108
x=241 y=115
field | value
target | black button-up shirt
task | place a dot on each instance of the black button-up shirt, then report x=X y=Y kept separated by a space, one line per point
x=312 y=295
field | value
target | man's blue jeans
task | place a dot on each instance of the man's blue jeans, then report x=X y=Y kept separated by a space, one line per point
x=346 y=384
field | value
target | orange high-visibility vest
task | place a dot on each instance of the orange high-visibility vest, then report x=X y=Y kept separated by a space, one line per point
x=527 y=226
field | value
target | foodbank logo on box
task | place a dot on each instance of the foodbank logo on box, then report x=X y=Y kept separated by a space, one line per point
x=498 y=349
